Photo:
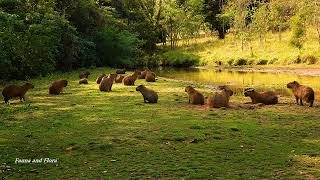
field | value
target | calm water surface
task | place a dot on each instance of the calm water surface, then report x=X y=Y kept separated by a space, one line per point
x=240 y=80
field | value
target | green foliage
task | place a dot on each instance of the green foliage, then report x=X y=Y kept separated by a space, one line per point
x=178 y=59
x=299 y=32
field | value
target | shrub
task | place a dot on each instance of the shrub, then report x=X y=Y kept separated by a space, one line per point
x=298 y=60
x=230 y=62
x=262 y=62
x=309 y=59
x=273 y=60
x=240 y=62
x=178 y=59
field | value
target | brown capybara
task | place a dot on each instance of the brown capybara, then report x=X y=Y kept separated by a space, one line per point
x=144 y=73
x=99 y=78
x=129 y=80
x=149 y=95
x=13 y=91
x=121 y=71
x=119 y=79
x=302 y=93
x=83 y=81
x=195 y=97
x=57 y=87
x=150 y=77
x=107 y=82
x=84 y=74
x=267 y=98
x=220 y=98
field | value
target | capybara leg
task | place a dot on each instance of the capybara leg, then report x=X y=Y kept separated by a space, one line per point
x=311 y=104
x=189 y=100
x=144 y=100
x=301 y=103
x=297 y=100
x=6 y=100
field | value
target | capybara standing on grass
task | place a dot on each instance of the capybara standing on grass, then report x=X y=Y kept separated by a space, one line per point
x=121 y=71
x=83 y=81
x=195 y=97
x=150 y=77
x=119 y=78
x=302 y=93
x=266 y=98
x=57 y=87
x=221 y=98
x=14 y=91
x=149 y=95
x=129 y=80
x=107 y=82
x=99 y=78
x=84 y=75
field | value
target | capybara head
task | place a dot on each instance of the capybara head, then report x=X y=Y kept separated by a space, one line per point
x=65 y=82
x=140 y=87
x=292 y=85
x=112 y=76
x=226 y=90
x=138 y=73
x=188 y=89
x=28 y=85
x=87 y=73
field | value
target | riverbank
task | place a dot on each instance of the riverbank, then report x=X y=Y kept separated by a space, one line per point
x=115 y=135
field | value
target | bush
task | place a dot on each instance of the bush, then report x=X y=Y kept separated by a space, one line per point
x=241 y=62
x=262 y=62
x=230 y=62
x=273 y=60
x=309 y=59
x=178 y=59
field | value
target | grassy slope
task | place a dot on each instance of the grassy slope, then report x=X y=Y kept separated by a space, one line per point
x=211 y=49
x=116 y=135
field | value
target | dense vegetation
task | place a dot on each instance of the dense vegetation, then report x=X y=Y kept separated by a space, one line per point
x=40 y=36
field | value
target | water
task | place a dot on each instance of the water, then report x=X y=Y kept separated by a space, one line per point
x=237 y=81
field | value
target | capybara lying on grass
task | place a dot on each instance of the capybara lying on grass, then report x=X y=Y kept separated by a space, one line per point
x=99 y=78
x=221 y=98
x=129 y=80
x=150 y=77
x=144 y=73
x=195 y=97
x=13 y=91
x=84 y=75
x=121 y=71
x=302 y=93
x=107 y=82
x=119 y=79
x=148 y=94
x=266 y=98
x=57 y=87
x=83 y=81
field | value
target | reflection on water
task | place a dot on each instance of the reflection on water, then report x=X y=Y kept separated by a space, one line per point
x=239 y=80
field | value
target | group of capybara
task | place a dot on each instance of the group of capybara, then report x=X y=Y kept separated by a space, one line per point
x=216 y=100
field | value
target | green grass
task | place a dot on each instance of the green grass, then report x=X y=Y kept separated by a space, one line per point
x=269 y=52
x=116 y=135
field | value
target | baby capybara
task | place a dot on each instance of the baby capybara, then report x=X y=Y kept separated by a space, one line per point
x=302 y=93
x=119 y=79
x=149 y=95
x=99 y=78
x=121 y=71
x=84 y=74
x=195 y=97
x=129 y=80
x=107 y=82
x=14 y=91
x=150 y=77
x=83 y=81
x=221 y=98
x=57 y=87
x=266 y=98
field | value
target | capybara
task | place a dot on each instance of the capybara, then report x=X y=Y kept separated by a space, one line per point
x=57 y=87
x=129 y=80
x=302 y=93
x=84 y=74
x=99 y=78
x=144 y=73
x=83 y=81
x=119 y=78
x=13 y=91
x=195 y=97
x=221 y=98
x=107 y=82
x=266 y=98
x=149 y=95
x=150 y=77
x=121 y=71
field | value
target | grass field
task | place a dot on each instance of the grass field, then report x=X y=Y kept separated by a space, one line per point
x=269 y=52
x=115 y=135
